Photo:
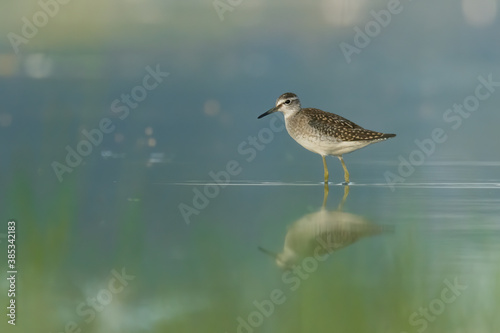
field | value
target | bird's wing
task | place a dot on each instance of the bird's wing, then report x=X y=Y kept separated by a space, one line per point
x=334 y=125
x=319 y=119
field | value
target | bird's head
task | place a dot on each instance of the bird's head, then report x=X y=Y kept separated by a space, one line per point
x=288 y=103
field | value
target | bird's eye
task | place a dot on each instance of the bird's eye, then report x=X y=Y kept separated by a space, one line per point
x=287 y=101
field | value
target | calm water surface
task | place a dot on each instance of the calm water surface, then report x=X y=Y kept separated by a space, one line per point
x=268 y=257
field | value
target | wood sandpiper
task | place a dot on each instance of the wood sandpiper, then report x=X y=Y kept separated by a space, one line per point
x=322 y=132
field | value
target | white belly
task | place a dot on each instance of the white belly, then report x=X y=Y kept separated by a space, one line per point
x=327 y=146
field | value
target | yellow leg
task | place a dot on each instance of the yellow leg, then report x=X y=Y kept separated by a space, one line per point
x=326 y=169
x=346 y=173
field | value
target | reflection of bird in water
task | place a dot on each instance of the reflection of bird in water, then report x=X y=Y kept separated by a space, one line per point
x=322 y=232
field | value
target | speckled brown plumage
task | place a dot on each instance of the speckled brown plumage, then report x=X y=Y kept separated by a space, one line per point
x=333 y=125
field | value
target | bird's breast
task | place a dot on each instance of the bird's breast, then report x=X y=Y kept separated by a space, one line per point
x=319 y=143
